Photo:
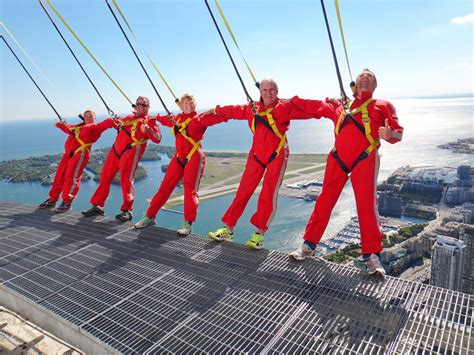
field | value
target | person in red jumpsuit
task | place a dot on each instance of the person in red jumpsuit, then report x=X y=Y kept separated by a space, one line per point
x=358 y=130
x=67 y=179
x=188 y=163
x=134 y=132
x=269 y=119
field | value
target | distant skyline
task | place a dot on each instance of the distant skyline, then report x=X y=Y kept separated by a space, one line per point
x=416 y=48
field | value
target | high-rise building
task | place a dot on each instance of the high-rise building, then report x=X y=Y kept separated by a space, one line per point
x=447 y=262
x=466 y=234
x=464 y=171
x=389 y=205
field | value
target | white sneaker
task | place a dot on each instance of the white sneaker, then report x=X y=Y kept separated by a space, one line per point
x=185 y=229
x=303 y=252
x=374 y=266
x=144 y=222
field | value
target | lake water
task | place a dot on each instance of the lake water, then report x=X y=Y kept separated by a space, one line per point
x=427 y=123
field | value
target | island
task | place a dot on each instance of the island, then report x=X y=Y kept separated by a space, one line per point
x=463 y=146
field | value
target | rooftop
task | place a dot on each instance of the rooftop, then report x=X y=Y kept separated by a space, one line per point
x=103 y=286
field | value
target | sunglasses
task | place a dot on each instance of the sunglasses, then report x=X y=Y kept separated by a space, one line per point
x=139 y=104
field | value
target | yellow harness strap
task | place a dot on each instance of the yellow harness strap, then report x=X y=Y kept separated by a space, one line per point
x=272 y=124
x=182 y=129
x=134 y=123
x=374 y=143
x=83 y=145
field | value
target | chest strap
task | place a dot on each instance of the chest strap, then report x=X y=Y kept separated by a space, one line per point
x=132 y=134
x=270 y=124
x=180 y=128
x=75 y=132
x=344 y=118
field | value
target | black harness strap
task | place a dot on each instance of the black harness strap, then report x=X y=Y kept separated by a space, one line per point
x=259 y=119
x=351 y=118
x=181 y=162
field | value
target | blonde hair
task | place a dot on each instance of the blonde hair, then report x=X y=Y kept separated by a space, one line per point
x=185 y=96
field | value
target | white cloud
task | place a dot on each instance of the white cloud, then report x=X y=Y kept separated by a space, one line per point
x=461 y=20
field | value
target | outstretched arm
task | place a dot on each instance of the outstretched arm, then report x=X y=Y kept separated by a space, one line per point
x=210 y=120
x=66 y=128
x=314 y=108
x=164 y=120
x=105 y=124
x=235 y=112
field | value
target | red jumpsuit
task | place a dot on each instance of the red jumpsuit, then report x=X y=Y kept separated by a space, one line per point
x=265 y=143
x=349 y=144
x=69 y=172
x=191 y=171
x=124 y=156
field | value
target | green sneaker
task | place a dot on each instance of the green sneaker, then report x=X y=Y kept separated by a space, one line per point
x=144 y=222
x=255 y=241
x=221 y=234
x=185 y=229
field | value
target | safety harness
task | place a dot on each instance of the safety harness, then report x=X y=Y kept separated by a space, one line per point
x=180 y=128
x=75 y=133
x=271 y=125
x=344 y=118
x=133 y=130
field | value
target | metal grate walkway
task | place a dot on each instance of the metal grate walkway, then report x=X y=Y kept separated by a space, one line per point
x=150 y=291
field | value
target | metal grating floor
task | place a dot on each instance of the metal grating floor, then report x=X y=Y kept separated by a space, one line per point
x=150 y=291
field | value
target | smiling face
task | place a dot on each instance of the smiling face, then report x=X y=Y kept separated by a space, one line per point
x=268 y=92
x=366 y=81
x=89 y=117
x=142 y=105
x=188 y=104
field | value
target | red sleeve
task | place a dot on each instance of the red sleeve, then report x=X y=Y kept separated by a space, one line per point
x=153 y=131
x=236 y=112
x=66 y=128
x=210 y=120
x=315 y=108
x=388 y=112
x=105 y=124
x=164 y=120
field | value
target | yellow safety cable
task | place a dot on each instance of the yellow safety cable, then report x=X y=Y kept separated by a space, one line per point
x=336 y=3
x=87 y=50
x=149 y=58
x=235 y=41
x=25 y=53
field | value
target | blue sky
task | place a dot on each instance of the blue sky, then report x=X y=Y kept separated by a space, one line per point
x=414 y=47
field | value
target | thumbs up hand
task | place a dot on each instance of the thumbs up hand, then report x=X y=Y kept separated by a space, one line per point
x=385 y=132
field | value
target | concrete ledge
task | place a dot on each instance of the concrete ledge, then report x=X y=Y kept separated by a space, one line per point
x=52 y=323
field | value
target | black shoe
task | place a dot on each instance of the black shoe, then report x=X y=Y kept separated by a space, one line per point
x=47 y=204
x=63 y=208
x=93 y=211
x=125 y=216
